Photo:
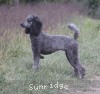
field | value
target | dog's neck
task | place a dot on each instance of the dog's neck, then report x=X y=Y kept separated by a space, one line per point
x=33 y=36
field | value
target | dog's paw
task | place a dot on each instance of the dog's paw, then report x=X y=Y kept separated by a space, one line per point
x=82 y=73
x=35 y=68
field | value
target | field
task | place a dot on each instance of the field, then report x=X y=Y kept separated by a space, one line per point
x=16 y=73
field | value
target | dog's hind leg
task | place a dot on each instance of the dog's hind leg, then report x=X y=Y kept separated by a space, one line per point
x=72 y=55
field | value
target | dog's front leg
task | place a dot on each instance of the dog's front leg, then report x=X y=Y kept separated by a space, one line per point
x=36 y=57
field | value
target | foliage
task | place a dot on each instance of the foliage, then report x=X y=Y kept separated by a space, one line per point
x=92 y=6
x=2 y=1
x=28 y=1
x=8 y=2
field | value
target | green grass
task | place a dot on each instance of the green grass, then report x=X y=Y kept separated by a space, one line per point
x=16 y=73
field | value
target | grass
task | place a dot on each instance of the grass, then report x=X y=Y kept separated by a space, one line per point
x=16 y=73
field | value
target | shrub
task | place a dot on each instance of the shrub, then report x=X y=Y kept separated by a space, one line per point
x=2 y=1
x=92 y=6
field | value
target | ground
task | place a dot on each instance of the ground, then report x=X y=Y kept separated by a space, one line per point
x=94 y=89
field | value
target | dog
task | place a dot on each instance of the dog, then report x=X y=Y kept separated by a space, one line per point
x=44 y=44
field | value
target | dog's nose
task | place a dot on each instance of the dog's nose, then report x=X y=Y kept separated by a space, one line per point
x=21 y=24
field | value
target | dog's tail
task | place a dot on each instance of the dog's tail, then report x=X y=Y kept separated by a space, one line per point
x=74 y=28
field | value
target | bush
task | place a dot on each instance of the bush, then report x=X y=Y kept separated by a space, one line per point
x=29 y=1
x=2 y=1
x=92 y=6
x=10 y=2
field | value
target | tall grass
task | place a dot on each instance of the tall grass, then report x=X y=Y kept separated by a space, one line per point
x=16 y=73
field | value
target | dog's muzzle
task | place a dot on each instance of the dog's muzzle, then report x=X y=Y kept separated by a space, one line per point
x=27 y=30
x=22 y=25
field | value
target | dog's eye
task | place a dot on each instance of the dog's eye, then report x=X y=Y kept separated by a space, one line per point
x=29 y=20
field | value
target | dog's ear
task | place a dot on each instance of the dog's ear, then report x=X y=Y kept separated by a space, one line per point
x=27 y=31
x=36 y=26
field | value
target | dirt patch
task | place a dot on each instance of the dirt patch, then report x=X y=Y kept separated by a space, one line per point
x=95 y=86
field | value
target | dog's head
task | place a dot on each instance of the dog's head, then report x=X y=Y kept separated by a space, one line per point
x=32 y=25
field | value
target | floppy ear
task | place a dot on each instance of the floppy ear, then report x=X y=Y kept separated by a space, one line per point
x=36 y=26
x=27 y=30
